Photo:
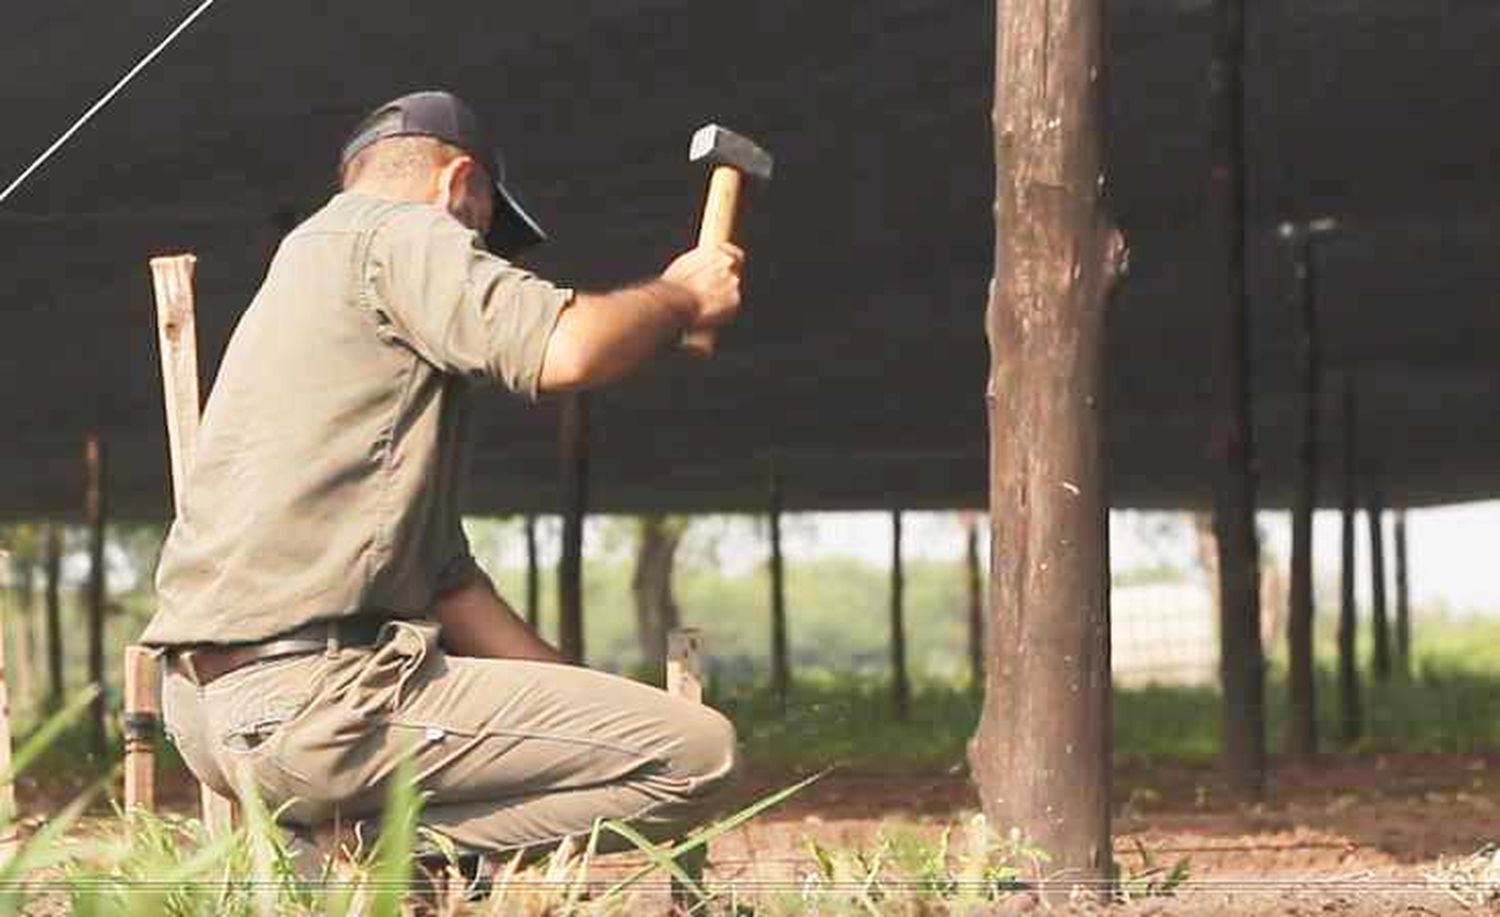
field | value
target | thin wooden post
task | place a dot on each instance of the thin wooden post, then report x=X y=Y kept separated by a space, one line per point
x=1379 y=620
x=9 y=823
x=95 y=512
x=177 y=341
x=142 y=724
x=1041 y=756
x=900 y=686
x=1403 y=600
x=975 y=579
x=574 y=451
x=685 y=679
x=1302 y=724
x=781 y=678
x=1350 y=708
x=533 y=597
x=56 y=681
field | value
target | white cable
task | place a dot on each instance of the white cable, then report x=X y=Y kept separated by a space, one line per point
x=105 y=99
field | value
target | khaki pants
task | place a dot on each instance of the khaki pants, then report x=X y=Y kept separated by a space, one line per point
x=509 y=754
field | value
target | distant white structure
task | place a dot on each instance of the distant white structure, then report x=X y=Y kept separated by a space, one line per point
x=1164 y=633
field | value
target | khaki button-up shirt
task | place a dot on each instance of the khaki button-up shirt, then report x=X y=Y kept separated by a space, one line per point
x=331 y=451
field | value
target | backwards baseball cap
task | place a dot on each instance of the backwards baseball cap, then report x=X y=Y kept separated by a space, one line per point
x=445 y=117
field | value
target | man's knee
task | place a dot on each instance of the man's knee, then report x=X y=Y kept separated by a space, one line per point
x=707 y=757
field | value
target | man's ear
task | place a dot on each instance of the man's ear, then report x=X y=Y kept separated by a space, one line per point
x=453 y=179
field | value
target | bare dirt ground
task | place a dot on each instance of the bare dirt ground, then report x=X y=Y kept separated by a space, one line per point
x=1380 y=834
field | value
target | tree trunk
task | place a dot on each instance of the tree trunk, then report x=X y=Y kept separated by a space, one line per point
x=1379 y=621
x=533 y=595
x=655 y=609
x=1403 y=600
x=94 y=460
x=900 y=687
x=781 y=670
x=56 y=686
x=1302 y=722
x=1351 y=713
x=1241 y=661
x=1041 y=756
x=22 y=645
x=975 y=580
x=574 y=431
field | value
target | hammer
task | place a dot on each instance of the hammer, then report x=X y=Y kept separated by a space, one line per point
x=732 y=157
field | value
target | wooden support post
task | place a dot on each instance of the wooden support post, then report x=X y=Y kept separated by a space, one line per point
x=9 y=824
x=1351 y=713
x=574 y=451
x=781 y=677
x=1302 y=723
x=177 y=339
x=1241 y=656
x=684 y=679
x=533 y=596
x=1403 y=600
x=900 y=685
x=142 y=725
x=56 y=681
x=1379 y=621
x=94 y=465
x=1041 y=756
x=975 y=580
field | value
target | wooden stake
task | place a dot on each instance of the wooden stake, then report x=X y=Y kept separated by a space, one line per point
x=94 y=462
x=1403 y=600
x=533 y=598
x=684 y=679
x=1350 y=709
x=1041 y=756
x=1379 y=621
x=1302 y=724
x=781 y=677
x=142 y=723
x=574 y=451
x=56 y=685
x=172 y=282
x=900 y=686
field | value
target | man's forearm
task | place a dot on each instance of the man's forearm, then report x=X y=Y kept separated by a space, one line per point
x=475 y=621
x=603 y=336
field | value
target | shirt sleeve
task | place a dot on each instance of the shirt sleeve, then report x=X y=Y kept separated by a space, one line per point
x=436 y=289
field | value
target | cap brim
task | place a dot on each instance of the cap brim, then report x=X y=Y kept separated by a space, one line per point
x=512 y=230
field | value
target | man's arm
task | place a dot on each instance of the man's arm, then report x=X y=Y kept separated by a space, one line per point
x=602 y=336
x=476 y=621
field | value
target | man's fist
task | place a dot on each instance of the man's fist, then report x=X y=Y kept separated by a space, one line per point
x=712 y=274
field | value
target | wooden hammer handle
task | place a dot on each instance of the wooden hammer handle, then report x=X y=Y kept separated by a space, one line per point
x=718 y=226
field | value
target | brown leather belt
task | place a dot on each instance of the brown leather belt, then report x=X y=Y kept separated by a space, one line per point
x=206 y=663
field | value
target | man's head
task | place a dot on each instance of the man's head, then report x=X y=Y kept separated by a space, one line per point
x=429 y=147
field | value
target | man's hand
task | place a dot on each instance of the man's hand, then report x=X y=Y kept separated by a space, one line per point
x=712 y=274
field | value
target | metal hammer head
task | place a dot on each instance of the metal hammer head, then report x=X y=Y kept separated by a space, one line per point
x=721 y=146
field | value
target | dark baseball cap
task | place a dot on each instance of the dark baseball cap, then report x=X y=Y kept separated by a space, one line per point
x=444 y=116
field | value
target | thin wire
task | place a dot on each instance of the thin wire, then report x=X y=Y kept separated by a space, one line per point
x=105 y=99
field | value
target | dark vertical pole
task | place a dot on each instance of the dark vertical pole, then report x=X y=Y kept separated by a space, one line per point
x=55 y=683
x=1403 y=600
x=1302 y=724
x=1351 y=714
x=900 y=687
x=94 y=462
x=1379 y=620
x=575 y=471
x=781 y=678
x=1242 y=668
x=533 y=596
x=1041 y=756
x=976 y=604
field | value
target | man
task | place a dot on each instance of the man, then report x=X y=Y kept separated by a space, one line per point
x=321 y=615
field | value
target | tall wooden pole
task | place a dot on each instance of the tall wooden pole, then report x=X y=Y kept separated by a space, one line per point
x=1242 y=665
x=1302 y=724
x=533 y=598
x=781 y=676
x=900 y=686
x=574 y=449
x=1379 y=620
x=56 y=683
x=95 y=512
x=1403 y=600
x=975 y=580
x=1351 y=714
x=1041 y=756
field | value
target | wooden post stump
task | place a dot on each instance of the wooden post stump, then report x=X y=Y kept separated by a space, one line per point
x=141 y=724
x=685 y=680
